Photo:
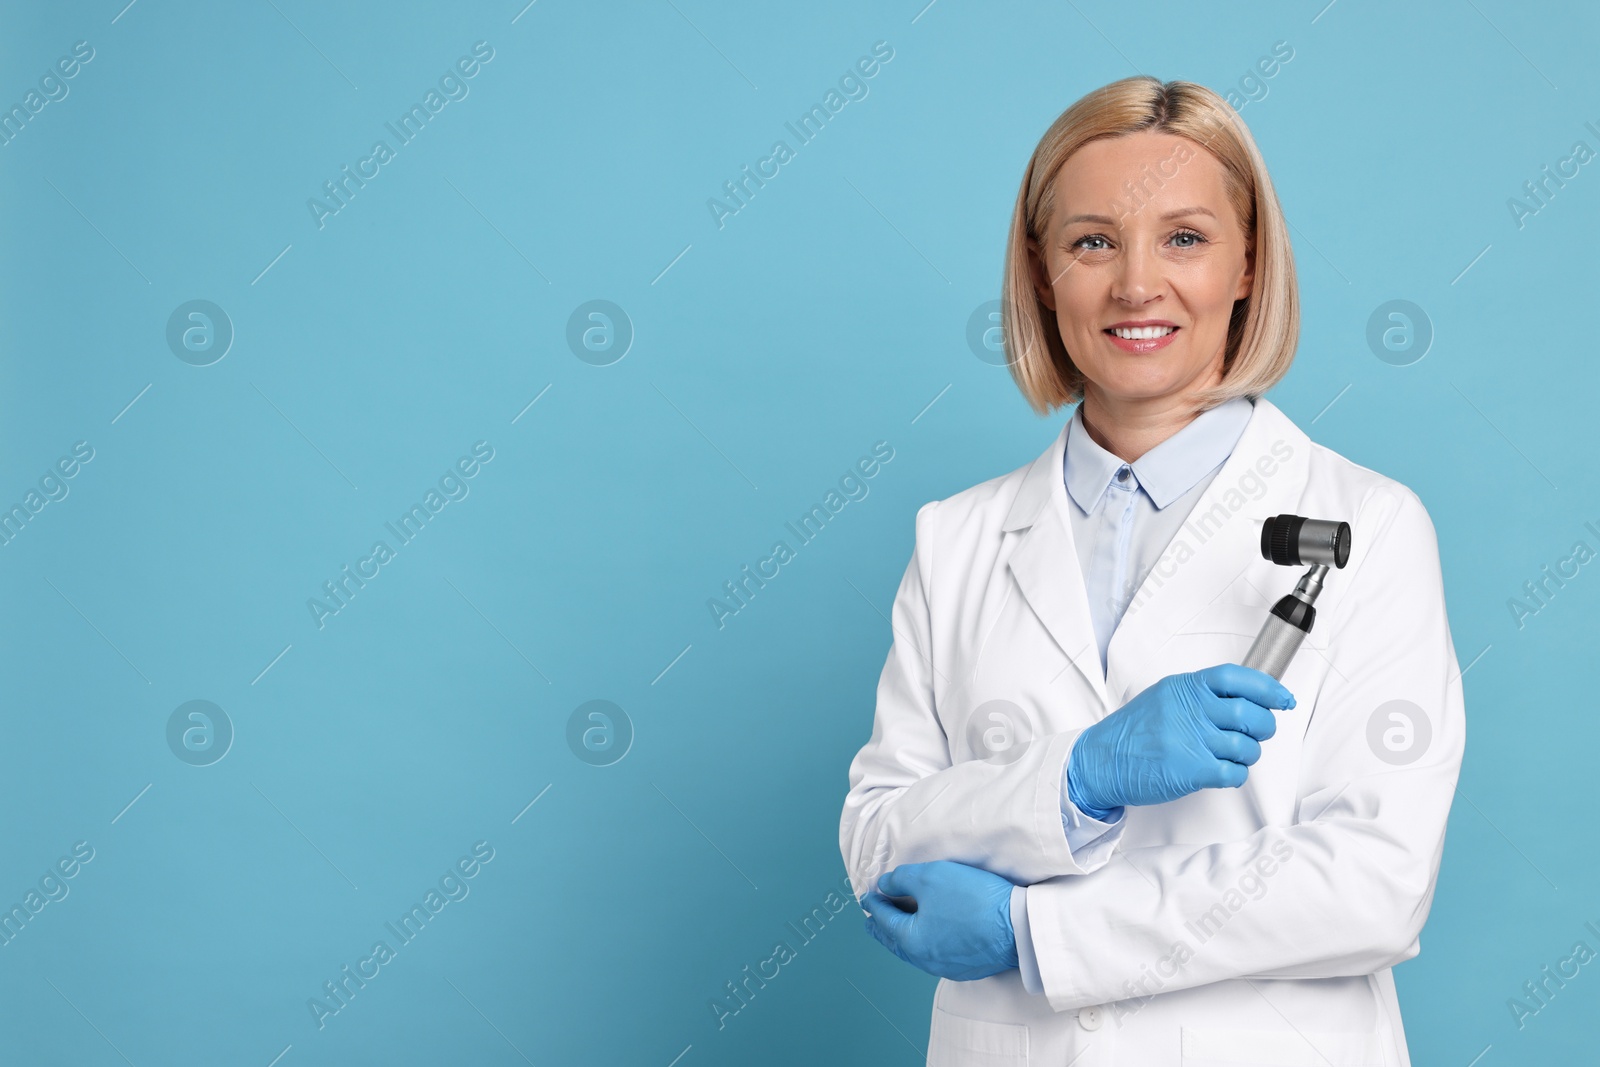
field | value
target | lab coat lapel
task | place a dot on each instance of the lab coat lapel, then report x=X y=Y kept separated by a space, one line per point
x=1216 y=553
x=1045 y=564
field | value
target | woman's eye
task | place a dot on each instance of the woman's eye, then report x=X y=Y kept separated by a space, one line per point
x=1085 y=243
x=1187 y=236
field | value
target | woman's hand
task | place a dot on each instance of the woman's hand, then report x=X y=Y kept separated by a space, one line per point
x=1185 y=733
x=957 y=922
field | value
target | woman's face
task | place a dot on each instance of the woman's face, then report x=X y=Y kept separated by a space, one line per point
x=1142 y=262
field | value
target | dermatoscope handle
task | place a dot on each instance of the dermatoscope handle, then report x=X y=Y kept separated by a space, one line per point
x=1287 y=624
x=1274 y=647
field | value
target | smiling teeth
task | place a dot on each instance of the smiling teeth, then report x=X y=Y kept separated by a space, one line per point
x=1142 y=333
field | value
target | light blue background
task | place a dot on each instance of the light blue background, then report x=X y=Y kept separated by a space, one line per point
x=825 y=316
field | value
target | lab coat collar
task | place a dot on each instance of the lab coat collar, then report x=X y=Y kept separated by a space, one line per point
x=1211 y=552
x=1168 y=470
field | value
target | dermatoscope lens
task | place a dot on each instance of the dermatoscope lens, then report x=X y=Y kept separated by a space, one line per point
x=1293 y=540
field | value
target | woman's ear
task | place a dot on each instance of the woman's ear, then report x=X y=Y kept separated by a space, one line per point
x=1039 y=274
x=1248 y=278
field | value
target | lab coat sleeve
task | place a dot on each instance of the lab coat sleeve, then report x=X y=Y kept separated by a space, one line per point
x=1090 y=839
x=908 y=803
x=1027 y=963
x=1346 y=887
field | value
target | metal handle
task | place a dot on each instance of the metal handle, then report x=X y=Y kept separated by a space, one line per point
x=1274 y=647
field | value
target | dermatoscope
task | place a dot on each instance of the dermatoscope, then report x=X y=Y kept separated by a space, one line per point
x=1293 y=540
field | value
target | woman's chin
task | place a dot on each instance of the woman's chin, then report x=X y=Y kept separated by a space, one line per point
x=1144 y=378
x=1150 y=385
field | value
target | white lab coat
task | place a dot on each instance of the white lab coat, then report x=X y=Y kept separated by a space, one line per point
x=1232 y=926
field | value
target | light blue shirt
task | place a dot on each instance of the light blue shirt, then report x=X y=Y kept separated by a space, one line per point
x=1126 y=514
x=1123 y=517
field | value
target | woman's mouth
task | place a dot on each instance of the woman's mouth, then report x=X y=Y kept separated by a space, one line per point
x=1141 y=338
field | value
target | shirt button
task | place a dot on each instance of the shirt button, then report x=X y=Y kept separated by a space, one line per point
x=1089 y=1018
x=1122 y=474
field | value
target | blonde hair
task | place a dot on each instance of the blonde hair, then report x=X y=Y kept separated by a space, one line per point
x=1265 y=326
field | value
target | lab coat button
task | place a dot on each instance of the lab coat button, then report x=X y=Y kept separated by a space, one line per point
x=1089 y=1018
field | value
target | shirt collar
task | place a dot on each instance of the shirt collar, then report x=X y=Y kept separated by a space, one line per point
x=1165 y=472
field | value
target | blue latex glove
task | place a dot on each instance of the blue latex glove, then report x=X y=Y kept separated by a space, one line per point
x=1184 y=733
x=955 y=924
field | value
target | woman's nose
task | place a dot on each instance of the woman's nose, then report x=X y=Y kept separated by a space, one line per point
x=1139 y=280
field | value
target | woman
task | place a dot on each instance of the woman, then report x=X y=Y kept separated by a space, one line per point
x=1115 y=844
